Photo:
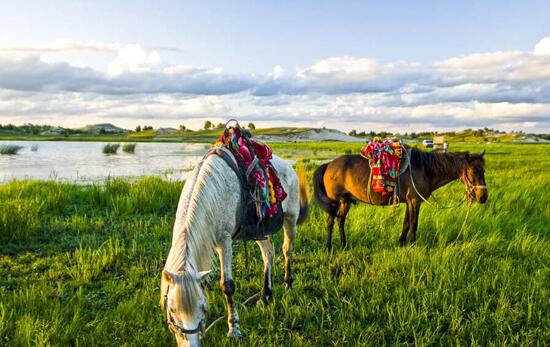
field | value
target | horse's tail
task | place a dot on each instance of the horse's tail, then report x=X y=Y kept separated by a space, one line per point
x=327 y=205
x=304 y=196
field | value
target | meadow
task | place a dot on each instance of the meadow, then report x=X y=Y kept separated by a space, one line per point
x=80 y=265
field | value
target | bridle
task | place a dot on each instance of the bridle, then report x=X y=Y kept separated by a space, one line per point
x=470 y=187
x=177 y=329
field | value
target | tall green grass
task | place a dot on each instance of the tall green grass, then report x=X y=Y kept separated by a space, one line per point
x=110 y=148
x=10 y=149
x=80 y=265
x=129 y=147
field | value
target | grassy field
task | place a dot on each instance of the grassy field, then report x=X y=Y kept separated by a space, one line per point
x=80 y=265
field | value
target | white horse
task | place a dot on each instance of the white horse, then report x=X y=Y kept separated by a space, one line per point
x=209 y=213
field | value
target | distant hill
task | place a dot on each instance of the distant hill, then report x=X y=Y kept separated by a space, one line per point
x=309 y=135
x=104 y=128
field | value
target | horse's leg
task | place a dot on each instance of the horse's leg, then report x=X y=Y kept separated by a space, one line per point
x=225 y=252
x=267 y=255
x=342 y=213
x=289 y=227
x=415 y=211
x=330 y=227
x=406 y=225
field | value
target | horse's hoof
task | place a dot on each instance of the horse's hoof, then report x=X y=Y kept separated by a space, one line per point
x=234 y=333
x=265 y=299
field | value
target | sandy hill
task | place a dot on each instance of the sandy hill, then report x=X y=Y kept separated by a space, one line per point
x=312 y=135
x=104 y=128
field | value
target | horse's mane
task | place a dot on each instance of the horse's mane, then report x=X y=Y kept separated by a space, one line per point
x=437 y=163
x=193 y=236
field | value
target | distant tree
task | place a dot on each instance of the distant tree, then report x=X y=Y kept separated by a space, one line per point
x=251 y=126
x=101 y=131
x=353 y=133
x=147 y=127
x=138 y=129
x=361 y=134
x=220 y=126
x=182 y=128
x=207 y=125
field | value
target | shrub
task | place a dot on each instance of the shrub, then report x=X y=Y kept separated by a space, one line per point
x=111 y=148
x=129 y=147
x=10 y=149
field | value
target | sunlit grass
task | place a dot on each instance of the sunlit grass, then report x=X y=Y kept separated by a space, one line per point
x=80 y=265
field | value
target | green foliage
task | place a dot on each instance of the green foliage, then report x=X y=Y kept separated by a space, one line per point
x=129 y=147
x=207 y=125
x=80 y=265
x=110 y=148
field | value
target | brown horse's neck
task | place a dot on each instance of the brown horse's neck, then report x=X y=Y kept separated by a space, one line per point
x=441 y=168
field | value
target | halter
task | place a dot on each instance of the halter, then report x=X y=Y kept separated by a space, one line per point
x=470 y=187
x=178 y=329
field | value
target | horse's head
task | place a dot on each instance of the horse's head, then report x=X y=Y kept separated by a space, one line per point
x=183 y=298
x=473 y=177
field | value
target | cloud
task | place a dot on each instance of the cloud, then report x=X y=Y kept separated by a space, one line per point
x=543 y=47
x=134 y=75
x=491 y=88
x=133 y=59
x=74 y=46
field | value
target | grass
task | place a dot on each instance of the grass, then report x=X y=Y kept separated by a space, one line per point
x=129 y=147
x=80 y=265
x=10 y=149
x=110 y=148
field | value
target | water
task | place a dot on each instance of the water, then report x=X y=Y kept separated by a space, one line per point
x=84 y=162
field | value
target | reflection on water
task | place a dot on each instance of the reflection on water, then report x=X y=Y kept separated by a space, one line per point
x=84 y=161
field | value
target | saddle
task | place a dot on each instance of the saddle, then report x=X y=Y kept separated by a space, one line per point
x=262 y=192
x=385 y=162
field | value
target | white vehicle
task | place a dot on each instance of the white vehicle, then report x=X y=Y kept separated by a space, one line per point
x=428 y=143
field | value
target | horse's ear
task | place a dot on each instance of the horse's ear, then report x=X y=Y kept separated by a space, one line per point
x=482 y=153
x=168 y=276
x=468 y=157
x=202 y=274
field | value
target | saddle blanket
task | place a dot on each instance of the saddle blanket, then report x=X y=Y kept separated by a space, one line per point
x=385 y=158
x=254 y=159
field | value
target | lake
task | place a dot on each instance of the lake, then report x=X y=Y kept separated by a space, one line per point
x=84 y=161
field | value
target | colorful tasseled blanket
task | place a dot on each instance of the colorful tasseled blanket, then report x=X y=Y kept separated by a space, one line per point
x=385 y=157
x=261 y=174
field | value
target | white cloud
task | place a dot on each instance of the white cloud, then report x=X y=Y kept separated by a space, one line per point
x=489 y=88
x=133 y=59
x=543 y=47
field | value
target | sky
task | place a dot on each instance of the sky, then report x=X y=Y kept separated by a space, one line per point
x=401 y=66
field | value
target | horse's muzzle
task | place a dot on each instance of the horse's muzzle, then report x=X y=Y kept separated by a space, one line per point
x=481 y=195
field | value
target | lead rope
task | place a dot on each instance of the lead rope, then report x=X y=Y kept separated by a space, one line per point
x=422 y=197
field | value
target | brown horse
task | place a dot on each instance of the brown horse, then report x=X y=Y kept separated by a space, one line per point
x=345 y=180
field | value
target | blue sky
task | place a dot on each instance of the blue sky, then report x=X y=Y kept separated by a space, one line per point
x=346 y=64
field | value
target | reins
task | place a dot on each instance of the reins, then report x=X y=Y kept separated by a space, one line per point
x=469 y=188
